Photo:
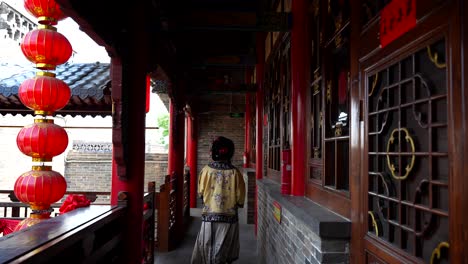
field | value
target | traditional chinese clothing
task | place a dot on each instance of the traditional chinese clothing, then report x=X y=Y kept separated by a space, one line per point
x=222 y=189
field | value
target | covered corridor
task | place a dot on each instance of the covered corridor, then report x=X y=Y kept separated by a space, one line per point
x=183 y=253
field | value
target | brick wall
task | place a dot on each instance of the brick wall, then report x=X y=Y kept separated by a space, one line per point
x=213 y=125
x=296 y=238
x=92 y=171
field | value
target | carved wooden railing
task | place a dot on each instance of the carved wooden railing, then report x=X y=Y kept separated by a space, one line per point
x=93 y=234
x=149 y=224
x=186 y=213
x=165 y=206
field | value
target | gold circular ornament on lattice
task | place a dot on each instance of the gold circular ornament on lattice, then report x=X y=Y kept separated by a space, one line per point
x=391 y=166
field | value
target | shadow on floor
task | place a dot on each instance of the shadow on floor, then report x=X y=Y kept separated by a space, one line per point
x=182 y=255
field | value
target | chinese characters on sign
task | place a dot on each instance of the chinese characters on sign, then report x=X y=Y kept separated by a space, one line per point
x=397 y=18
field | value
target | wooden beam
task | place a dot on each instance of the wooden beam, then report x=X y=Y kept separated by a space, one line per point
x=243 y=21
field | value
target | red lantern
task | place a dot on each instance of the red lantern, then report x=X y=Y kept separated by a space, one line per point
x=42 y=140
x=44 y=94
x=40 y=187
x=47 y=11
x=46 y=47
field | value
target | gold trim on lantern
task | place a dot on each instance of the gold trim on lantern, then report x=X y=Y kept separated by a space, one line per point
x=43 y=73
x=436 y=252
x=40 y=120
x=45 y=66
x=391 y=166
x=49 y=20
x=42 y=168
x=44 y=113
x=39 y=207
x=41 y=160
x=39 y=216
x=49 y=27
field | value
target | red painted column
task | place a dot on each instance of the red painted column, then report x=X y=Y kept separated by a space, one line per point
x=247 y=119
x=128 y=136
x=116 y=75
x=187 y=154
x=259 y=109
x=176 y=158
x=172 y=151
x=299 y=96
x=259 y=67
x=192 y=162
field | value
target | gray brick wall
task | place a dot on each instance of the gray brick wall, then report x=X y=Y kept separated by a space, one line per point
x=213 y=125
x=93 y=171
x=292 y=240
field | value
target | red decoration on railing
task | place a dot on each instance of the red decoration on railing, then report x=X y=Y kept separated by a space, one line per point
x=47 y=11
x=46 y=47
x=7 y=226
x=44 y=93
x=42 y=140
x=40 y=187
x=74 y=201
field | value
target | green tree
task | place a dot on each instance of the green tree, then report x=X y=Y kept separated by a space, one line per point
x=163 y=124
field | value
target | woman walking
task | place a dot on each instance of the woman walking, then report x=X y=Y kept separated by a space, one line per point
x=222 y=189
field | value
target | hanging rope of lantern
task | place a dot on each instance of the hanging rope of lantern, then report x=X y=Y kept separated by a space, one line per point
x=44 y=94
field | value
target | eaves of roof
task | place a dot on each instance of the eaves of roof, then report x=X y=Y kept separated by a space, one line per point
x=90 y=86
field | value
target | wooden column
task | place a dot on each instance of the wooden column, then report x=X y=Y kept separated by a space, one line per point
x=299 y=96
x=192 y=159
x=176 y=158
x=117 y=149
x=129 y=83
x=247 y=119
x=259 y=68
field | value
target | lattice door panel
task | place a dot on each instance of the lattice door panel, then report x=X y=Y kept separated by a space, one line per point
x=408 y=163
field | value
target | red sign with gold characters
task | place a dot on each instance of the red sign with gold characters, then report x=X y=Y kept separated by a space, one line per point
x=397 y=18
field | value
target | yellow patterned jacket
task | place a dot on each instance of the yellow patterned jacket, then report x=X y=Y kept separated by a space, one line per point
x=222 y=189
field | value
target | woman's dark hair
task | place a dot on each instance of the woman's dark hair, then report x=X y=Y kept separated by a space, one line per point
x=222 y=149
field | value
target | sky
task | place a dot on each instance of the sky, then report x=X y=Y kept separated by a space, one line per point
x=12 y=161
x=86 y=49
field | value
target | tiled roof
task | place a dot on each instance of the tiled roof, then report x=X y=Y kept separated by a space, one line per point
x=89 y=83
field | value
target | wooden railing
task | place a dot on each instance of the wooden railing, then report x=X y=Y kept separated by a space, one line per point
x=14 y=208
x=93 y=234
x=186 y=213
x=149 y=224
x=165 y=206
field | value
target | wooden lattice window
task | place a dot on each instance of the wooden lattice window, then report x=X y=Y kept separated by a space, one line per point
x=408 y=163
x=329 y=31
x=277 y=106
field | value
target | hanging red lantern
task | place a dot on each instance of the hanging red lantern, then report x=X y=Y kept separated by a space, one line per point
x=46 y=47
x=42 y=140
x=46 y=11
x=40 y=187
x=44 y=94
